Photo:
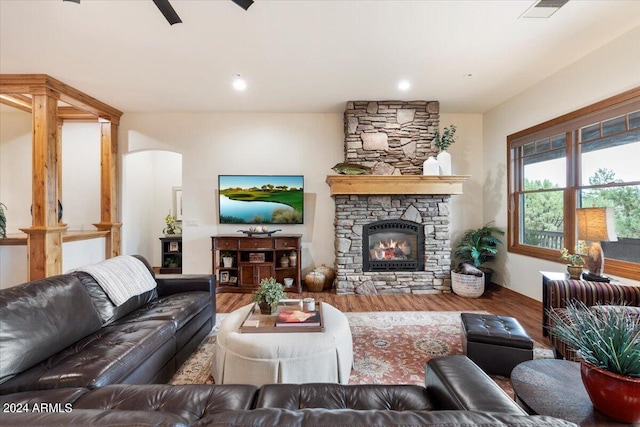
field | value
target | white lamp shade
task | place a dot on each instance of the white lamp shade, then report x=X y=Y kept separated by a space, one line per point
x=596 y=225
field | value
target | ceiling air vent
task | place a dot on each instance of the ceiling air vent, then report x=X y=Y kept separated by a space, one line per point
x=544 y=8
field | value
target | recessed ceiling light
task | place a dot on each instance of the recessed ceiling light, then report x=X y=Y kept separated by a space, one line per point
x=239 y=83
x=404 y=85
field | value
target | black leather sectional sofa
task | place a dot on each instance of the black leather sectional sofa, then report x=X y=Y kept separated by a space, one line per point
x=69 y=357
x=457 y=393
x=64 y=331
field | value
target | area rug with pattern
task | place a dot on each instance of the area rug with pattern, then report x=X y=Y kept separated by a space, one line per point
x=388 y=348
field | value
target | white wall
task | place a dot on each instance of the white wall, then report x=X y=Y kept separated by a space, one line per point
x=306 y=144
x=607 y=71
x=148 y=178
x=80 y=195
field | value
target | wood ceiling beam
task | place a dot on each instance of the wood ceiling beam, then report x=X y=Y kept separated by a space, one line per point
x=20 y=102
x=20 y=84
x=73 y=113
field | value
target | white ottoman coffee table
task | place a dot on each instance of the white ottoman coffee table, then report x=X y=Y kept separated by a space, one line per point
x=287 y=357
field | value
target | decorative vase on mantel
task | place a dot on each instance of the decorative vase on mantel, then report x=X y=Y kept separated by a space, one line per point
x=616 y=395
x=575 y=271
x=430 y=167
x=444 y=161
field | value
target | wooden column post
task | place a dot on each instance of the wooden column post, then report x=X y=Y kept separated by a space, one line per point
x=44 y=237
x=59 y=163
x=109 y=187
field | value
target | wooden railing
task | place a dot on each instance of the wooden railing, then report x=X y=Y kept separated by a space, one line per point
x=544 y=239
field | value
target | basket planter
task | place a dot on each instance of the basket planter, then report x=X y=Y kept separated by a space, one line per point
x=467 y=285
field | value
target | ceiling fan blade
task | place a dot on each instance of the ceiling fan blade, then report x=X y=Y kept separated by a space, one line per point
x=168 y=11
x=243 y=3
x=73 y=1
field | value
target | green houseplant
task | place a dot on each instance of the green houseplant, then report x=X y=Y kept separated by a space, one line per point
x=576 y=261
x=479 y=246
x=268 y=294
x=171 y=261
x=444 y=140
x=607 y=339
x=227 y=259
x=172 y=227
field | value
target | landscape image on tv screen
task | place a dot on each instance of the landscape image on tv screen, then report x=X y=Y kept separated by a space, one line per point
x=261 y=199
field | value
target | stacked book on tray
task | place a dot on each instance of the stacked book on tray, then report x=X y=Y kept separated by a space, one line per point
x=298 y=318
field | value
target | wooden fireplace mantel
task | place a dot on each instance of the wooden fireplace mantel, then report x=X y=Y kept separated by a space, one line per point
x=396 y=184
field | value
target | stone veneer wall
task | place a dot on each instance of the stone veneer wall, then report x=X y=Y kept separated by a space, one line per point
x=394 y=138
x=352 y=212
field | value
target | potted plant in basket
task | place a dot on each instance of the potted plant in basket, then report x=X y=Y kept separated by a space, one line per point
x=442 y=142
x=268 y=294
x=479 y=246
x=607 y=339
x=576 y=261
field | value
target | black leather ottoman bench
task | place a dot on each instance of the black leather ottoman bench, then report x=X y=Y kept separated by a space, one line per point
x=496 y=343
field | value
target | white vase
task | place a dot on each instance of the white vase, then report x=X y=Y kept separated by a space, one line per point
x=430 y=167
x=444 y=160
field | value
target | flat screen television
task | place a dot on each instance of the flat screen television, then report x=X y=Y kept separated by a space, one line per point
x=261 y=199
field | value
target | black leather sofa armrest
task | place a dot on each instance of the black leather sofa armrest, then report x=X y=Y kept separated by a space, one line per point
x=169 y=284
x=455 y=382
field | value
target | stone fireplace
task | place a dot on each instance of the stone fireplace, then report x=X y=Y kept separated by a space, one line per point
x=392 y=227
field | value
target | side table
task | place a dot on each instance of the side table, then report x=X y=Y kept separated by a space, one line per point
x=554 y=387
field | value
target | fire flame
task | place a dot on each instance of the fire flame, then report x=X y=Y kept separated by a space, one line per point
x=390 y=249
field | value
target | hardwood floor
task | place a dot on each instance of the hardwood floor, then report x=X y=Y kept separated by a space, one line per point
x=496 y=300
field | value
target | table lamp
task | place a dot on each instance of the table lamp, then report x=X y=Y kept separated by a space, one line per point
x=596 y=225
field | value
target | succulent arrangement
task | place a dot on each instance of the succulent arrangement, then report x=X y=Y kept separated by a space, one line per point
x=606 y=337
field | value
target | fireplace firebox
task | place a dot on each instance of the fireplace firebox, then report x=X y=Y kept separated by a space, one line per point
x=393 y=245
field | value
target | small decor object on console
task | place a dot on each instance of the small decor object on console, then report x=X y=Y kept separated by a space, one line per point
x=172 y=227
x=259 y=231
x=576 y=261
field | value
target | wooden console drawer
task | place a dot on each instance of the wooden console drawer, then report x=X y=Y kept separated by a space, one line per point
x=286 y=243
x=256 y=243
x=227 y=243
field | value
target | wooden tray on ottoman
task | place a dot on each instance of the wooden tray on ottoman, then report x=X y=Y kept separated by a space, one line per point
x=256 y=322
